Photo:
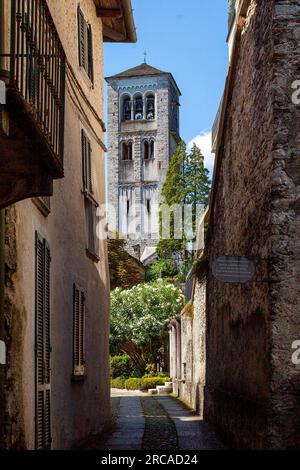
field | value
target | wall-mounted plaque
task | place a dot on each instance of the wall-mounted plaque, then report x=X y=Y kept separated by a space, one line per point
x=233 y=269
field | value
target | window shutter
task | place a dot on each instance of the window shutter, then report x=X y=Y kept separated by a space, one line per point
x=78 y=331
x=89 y=166
x=90 y=54
x=86 y=162
x=81 y=38
x=43 y=348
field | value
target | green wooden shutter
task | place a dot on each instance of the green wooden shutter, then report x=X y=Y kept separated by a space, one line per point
x=42 y=345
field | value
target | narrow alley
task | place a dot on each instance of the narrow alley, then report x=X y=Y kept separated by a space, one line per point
x=143 y=422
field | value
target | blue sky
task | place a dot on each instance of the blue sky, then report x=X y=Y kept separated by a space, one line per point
x=188 y=39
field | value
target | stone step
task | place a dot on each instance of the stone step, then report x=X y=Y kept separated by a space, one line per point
x=162 y=390
x=169 y=384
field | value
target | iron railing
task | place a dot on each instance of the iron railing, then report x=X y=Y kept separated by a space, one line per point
x=38 y=68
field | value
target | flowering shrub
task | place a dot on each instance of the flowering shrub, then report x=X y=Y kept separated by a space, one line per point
x=139 y=319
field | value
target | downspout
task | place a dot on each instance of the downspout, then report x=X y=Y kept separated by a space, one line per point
x=2 y=266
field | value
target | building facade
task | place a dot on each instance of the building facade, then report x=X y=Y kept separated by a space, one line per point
x=55 y=380
x=251 y=363
x=143 y=133
x=252 y=383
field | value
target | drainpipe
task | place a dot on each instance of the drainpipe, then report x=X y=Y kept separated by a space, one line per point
x=2 y=278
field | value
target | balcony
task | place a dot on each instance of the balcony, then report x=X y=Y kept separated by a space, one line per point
x=32 y=120
x=126 y=171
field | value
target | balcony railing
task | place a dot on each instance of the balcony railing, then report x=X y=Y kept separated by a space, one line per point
x=37 y=69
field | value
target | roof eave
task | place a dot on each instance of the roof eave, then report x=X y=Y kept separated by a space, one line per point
x=112 y=35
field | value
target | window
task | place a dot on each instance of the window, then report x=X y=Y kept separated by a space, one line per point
x=127 y=150
x=138 y=108
x=148 y=206
x=148 y=149
x=90 y=204
x=126 y=109
x=85 y=42
x=150 y=107
x=127 y=206
x=151 y=150
x=42 y=344
x=78 y=332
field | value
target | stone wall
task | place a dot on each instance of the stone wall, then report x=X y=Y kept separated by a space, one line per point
x=193 y=330
x=252 y=387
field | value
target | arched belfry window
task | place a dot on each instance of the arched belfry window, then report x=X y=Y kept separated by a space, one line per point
x=148 y=149
x=127 y=148
x=150 y=107
x=138 y=107
x=126 y=109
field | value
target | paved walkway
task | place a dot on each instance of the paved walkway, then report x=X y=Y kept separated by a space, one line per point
x=192 y=432
x=140 y=418
x=130 y=424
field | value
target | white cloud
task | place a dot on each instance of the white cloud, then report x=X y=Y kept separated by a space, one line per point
x=204 y=142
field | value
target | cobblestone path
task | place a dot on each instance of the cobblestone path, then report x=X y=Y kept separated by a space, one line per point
x=157 y=423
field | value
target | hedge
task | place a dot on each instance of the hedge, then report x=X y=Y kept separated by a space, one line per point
x=118 y=382
x=121 y=366
x=152 y=382
x=145 y=383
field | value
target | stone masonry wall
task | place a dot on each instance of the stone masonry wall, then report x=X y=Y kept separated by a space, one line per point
x=252 y=391
x=237 y=395
x=284 y=424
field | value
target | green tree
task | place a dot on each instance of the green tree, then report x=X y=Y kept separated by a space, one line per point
x=187 y=182
x=196 y=179
x=173 y=188
x=139 y=319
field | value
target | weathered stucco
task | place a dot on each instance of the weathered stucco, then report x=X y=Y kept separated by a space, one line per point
x=78 y=408
x=251 y=388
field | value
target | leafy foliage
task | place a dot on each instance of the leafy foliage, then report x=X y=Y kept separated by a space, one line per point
x=139 y=317
x=152 y=382
x=162 y=269
x=121 y=366
x=187 y=182
x=118 y=382
x=145 y=383
x=125 y=271
x=133 y=384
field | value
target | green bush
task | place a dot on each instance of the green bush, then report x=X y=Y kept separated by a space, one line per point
x=163 y=374
x=152 y=372
x=161 y=269
x=133 y=384
x=121 y=366
x=118 y=382
x=152 y=382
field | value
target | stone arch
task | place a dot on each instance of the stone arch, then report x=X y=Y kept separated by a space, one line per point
x=150 y=105
x=138 y=106
x=126 y=107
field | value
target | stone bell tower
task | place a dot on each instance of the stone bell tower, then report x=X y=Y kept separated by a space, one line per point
x=143 y=133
